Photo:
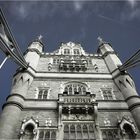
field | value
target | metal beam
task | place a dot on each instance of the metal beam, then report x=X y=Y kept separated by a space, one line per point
x=8 y=44
x=133 y=61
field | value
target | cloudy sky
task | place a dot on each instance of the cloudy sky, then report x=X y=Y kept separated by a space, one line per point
x=117 y=22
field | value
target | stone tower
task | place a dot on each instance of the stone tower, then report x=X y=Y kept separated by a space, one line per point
x=71 y=95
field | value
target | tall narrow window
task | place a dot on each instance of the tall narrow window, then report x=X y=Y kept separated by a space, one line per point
x=54 y=61
x=85 y=132
x=45 y=94
x=72 y=132
x=91 y=132
x=40 y=94
x=41 y=135
x=79 y=132
x=47 y=135
x=66 y=132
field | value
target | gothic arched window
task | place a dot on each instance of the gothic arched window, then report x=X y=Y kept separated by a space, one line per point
x=91 y=132
x=85 y=132
x=79 y=131
x=75 y=88
x=28 y=132
x=41 y=135
x=129 y=134
x=53 y=135
x=47 y=135
x=110 y=134
x=66 y=132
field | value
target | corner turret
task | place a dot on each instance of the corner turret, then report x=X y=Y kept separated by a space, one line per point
x=109 y=55
x=32 y=55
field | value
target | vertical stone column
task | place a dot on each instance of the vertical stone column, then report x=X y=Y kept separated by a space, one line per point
x=127 y=87
x=9 y=120
x=98 y=133
x=60 y=126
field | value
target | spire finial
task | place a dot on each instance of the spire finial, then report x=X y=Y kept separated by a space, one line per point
x=40 y=37
x=100 y=40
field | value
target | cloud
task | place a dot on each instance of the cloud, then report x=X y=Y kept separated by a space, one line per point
x=132 y=3
x=131 y=11
x=78 y=5
x=32 y=10
x=39 y=10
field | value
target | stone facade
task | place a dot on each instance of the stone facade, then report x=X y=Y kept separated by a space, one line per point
x=71 y=95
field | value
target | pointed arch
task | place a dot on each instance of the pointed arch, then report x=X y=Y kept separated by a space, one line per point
x=75 y=87
x=28 y=129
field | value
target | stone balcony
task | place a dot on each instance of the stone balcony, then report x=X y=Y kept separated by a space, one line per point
x=73 y=65
x=81 y=104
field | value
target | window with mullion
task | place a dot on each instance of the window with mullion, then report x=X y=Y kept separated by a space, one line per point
x=79 y=132
x=91 y=132
x=85 y=132
x=66 y=132
x=41 y=135
x=110 y=134
x=73 y=89
x=72 y=133
x=43 y=94
x=40 y=95
x=107 y=94
x=47 y=135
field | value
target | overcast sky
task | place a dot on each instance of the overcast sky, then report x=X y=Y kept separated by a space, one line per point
x=117 y=22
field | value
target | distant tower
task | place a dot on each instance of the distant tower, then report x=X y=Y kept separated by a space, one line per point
x=71 y=95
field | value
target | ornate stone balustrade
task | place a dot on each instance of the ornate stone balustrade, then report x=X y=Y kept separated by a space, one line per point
x=77 y=99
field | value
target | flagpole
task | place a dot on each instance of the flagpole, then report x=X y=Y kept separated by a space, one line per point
x=4 y=61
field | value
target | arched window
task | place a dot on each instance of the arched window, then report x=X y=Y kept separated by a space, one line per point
x=72 y=132
x=79 y=132
x=75 y=88
x=28 y=132
x=66 y=51
x=110 y=134
x=41 y=135
x=66 y=132
x=40 y=94
x=85 y=132
x=91 y=132
x=47 y=135
x=43 y=94
x=129 y=134
x=53 y=135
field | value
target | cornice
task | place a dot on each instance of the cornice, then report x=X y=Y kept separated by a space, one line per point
x=131 y=97
x=9 y=103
